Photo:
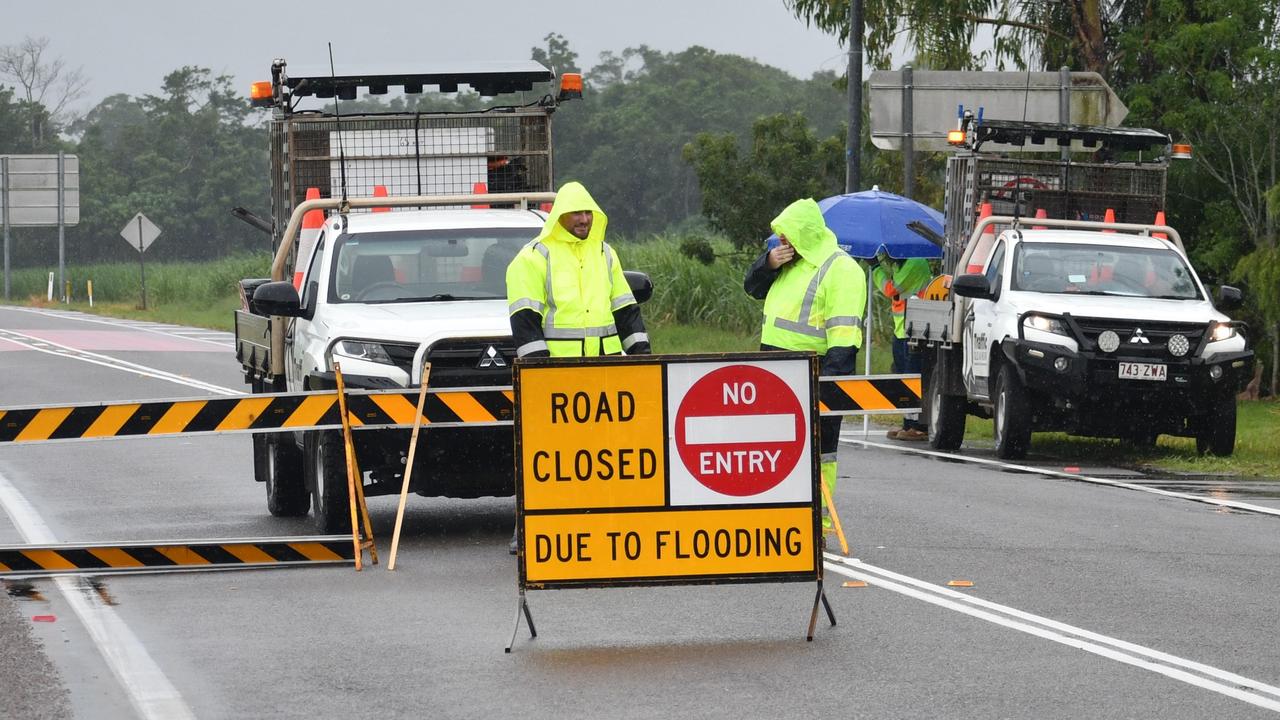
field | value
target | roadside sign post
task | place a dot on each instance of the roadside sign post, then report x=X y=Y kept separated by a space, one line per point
x=4 y=201
x=39 y=191
x=140 y=233
x=667 y=470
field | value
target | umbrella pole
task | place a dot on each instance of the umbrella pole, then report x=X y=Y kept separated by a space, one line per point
x=866 y=421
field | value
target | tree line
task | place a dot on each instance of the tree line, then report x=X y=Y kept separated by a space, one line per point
x=698 y=141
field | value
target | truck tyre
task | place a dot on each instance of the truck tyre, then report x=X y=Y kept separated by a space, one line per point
x=277 y=463
x=1216 y=434
x=327 y=471
x=946 y=414
x=1012 y=416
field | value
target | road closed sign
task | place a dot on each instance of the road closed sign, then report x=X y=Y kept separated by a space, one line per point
x=667 y=469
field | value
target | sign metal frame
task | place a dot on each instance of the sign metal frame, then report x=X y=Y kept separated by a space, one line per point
x=809 y=399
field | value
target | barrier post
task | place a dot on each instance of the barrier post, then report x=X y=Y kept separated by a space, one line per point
x=408 y=469
x=355 y=486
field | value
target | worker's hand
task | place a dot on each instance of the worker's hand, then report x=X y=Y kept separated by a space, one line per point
x=781 y=255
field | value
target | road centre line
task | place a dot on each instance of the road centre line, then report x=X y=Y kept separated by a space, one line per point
x=1247 y=507
x=149 y=690
x=66 y=351
x=1062 y=633
x=140 y=325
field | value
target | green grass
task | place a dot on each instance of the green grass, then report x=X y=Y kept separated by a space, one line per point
x=1257 y=451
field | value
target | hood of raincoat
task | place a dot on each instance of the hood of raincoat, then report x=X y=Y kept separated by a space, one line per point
x=802 y=224
x=573 y=197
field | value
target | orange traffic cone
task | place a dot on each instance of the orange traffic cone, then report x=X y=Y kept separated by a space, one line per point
x=1109 y=217
x=380 y=191
x=1041 y=213
x=480 y=189
x=979 y=257
x=307 y=236
x=1160 y=221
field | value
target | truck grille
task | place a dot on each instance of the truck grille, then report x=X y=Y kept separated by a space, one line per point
x=460 y=362
x=1157 y=335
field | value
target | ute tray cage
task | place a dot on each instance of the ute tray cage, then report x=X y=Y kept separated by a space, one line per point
x=1065 y=190
x=409 y=154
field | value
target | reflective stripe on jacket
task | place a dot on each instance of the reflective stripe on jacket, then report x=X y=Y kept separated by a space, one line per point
x=910 y=277
x=817 y=300
x=574 y=284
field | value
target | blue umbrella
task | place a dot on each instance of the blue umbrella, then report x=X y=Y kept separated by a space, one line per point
x=864 y=222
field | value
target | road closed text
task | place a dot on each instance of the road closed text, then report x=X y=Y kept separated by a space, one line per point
x=592 y=437
x=601 y=546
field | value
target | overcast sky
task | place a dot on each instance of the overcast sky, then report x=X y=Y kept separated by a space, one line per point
x=127 y=46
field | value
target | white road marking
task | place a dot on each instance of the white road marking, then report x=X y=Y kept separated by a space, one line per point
x=1155 y=661
x=1261 y=509
x=53 y=348
x=149 y=690
x=196 y=334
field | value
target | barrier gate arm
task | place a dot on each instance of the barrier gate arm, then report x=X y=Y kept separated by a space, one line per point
x=368 y=409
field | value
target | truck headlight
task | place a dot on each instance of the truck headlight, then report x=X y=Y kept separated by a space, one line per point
x=1221 y=331
x=367 y=351
x=1045 y=324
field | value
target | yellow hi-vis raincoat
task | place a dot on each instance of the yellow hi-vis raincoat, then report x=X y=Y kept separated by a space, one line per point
x=816 y=302
x=575 y=286
x=908 y=278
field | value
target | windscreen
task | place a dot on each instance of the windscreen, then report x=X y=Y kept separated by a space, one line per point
x=425 y=265
x=1111 y=270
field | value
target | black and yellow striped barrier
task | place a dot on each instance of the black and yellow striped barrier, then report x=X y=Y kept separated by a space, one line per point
x=277 y=411
x=477 y=407
x=869 y=395
x=115 y=558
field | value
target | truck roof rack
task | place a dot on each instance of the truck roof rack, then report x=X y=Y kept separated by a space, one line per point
x=1016 y=132
x=488 y=79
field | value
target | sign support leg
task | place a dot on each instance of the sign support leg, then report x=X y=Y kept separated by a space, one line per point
x=813 y=616
x=522 y=606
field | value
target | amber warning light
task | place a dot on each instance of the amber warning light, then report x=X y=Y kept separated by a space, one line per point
x=955 y=137
x=570 y=86
x=260 y=93
x=1181 y=151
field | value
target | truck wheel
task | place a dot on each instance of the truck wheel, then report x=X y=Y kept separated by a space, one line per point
x=278 y=464
x=946 y=414
x=1217 y=432
x=327 y=467
x=1012 y=416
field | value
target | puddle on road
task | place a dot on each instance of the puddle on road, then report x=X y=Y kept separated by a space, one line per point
x=22 y=590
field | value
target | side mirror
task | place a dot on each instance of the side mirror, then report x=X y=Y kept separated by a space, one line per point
x=973 y=285
x=1229 y=298
x=641 y=285
x=276 y=298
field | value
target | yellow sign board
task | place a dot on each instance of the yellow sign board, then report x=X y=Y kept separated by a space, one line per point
x=688 y=543
x=676 y=469
x=592 y=436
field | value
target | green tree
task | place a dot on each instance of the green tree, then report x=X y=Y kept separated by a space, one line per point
x=46 y=88
x=741 y=193
x=184 y=157
x=642 y=106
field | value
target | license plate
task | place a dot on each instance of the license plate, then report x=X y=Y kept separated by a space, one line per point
x=1143 y=371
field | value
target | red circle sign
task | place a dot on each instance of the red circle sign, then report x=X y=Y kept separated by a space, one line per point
x=740 y=430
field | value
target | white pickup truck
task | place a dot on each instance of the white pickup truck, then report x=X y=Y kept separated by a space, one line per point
x=1059 y=317
x=381 y=293
x=1091 y=328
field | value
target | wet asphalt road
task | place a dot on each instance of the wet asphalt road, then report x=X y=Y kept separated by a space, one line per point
x=1194 y=581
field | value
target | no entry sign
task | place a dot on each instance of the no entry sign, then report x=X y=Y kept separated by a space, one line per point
x=740 y=430
x=741 y=433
